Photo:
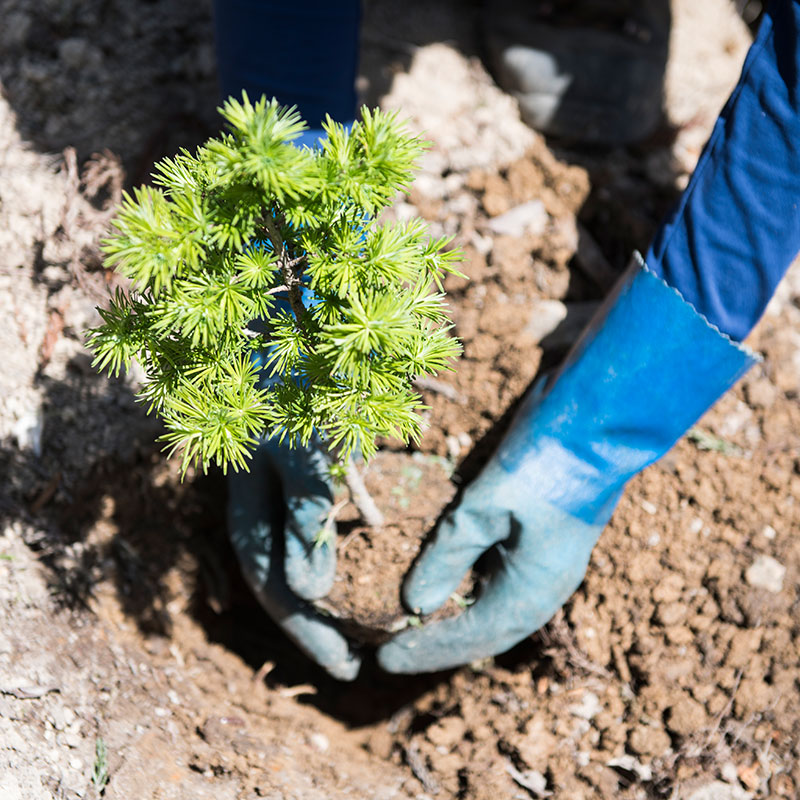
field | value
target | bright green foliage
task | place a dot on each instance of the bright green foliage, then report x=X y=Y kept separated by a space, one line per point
x=266 y=297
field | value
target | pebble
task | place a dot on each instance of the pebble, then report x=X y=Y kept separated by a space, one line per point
x=17 y=25
x=631 y=764
x=447 y=732
x=430 y=186
x=669 y=588
x=744 y=643
x=320 y=742
x=530 y=217
x=769 y=532
x=686 y=717
x=669 y=614
x=761 y=393
x=717 y=790
x=588 y=707
x=78 y=53
x=649 y=741
x=766 y=573
x=483 y=244
x=545 y=317
x=28 y=430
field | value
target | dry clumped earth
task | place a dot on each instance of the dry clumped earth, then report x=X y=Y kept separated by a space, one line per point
x=673 y=671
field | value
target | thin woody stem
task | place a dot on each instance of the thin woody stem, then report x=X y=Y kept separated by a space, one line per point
x=288 y=267
x=370 y=513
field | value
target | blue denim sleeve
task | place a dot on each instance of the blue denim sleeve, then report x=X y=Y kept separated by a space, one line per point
x=736 y=228
x=304 y=53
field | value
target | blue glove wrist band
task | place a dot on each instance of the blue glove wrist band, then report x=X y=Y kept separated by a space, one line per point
x=645 y=370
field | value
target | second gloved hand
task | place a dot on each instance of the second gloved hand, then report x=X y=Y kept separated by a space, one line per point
x=275 y=515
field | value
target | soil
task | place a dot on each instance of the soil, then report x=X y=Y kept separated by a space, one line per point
x=673 y=670
x=502 y=313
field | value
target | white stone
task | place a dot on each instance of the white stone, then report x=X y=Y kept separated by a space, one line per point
x=631 y=764
x=588 y=707
x=766 y=573
x=546 y=315
x=28 y=430
x=717 y=790
x=530 y=217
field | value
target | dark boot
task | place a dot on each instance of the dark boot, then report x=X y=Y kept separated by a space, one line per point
x=590 y=71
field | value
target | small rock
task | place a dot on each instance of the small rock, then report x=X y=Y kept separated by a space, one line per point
x=530 y=217
x=72 y=740
x=769 y=532
x=447 y=732
x=748 y=775
x=686 y=717
x=538 y=744
x=753 y=696
x=728 y=773
x=766 y=573
x=761 y=393
x=649 y=741
x=695 y=526
x=717 y=790
x=530 y=779
x=669 y=614
x=78 y=53
x=669 y=588
x=743 y=644
x=545 y=317
x=483 y=244
x=630 y=764
x=381 y=743
x=588 y=707
x=16 y=27
x=429 y=186
x=28 y=430
x=320 y=742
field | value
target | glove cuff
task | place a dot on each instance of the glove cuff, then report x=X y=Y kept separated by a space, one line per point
x=645 y=369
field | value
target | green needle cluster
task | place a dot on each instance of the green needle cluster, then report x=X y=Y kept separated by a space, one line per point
x=266 y=297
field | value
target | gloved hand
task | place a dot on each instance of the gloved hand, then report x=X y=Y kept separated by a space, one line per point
x=275 y=513
x=641 y=375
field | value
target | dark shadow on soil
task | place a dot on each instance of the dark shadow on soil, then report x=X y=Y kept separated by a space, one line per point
x=102 y=491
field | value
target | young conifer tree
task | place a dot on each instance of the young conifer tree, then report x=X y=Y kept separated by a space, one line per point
x=267 y=299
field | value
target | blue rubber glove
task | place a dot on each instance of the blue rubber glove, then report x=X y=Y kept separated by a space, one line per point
x=275 y=513
x=645 y=370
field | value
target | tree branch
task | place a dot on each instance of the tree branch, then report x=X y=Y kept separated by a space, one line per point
x=288 y=266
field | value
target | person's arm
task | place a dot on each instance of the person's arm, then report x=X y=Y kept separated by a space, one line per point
x=736 y=228
x=303 y=53
x=662 y=349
